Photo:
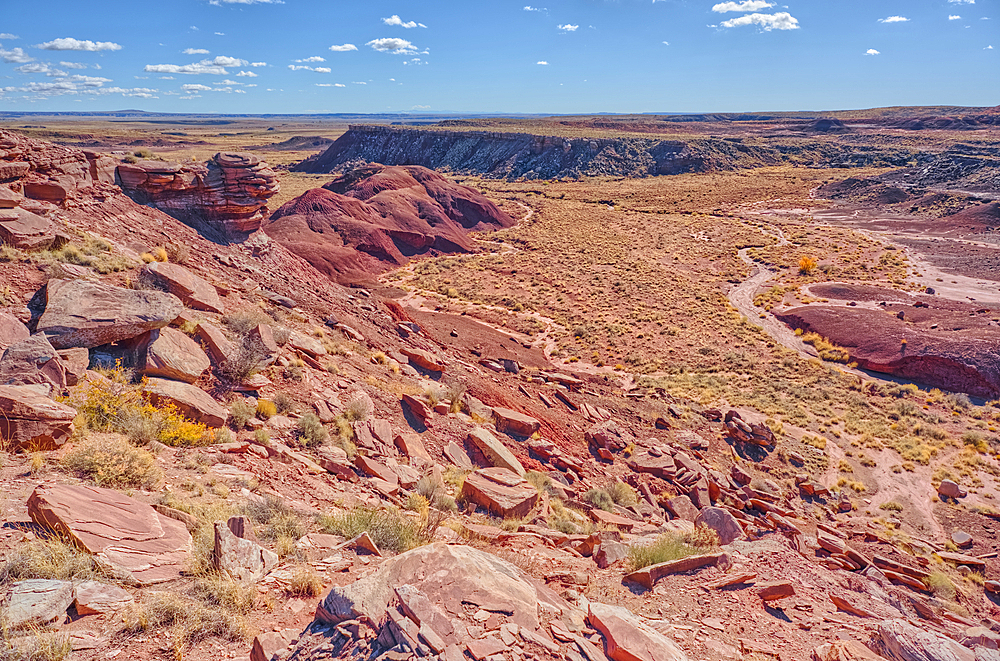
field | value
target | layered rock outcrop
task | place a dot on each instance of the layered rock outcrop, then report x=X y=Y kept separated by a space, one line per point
x=228 y=193
x=376 y=217
x=42 y=171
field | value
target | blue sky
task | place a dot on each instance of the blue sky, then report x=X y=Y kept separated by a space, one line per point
x=552 y=56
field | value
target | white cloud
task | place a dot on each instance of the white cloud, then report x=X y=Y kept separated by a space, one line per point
x=68 y=43
x=396 y=20
x=220 y=34
x=314 y=58
x=37 y=67
x=219 y=3
x=196 y=88
x=953 y=17
x=258 y=64
x=214 y=67
x=195 y=51
x=8 y=36
x=962 y=2
x=872 y=51
x=167 y=78
x=894 y=19
x=542 y=62
x=530 y=8
x=746 y=5
x=767 y=22
x=73 y=65
x=246 y=74
x=392 y=45
x=666 y=43
x=303 y=67
x=356 y=82
x=568 y=27
x=15 y=56
x=988 y=48
x=415 y=62
x=343 y=48
x=323 y=84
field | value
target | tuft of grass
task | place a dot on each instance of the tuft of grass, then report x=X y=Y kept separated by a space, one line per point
x=191 y=620
x=275 y=518
x=940 y=584
x=284 y=402
x=670 y=546
x=111 y=460
x=266 y=409
x=36 y=645
x=390 y=530
x=891 y=506
x=540 y=481
x=621 y=494
x=222 y=591
x=46 y=557
x=240 y=412
x=304 y=583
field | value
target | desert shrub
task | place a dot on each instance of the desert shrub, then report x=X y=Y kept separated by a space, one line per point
x=304 y=583
x=111 y=460
x=266 y=409
x=190 y=619
x=119 y=406
x=274 y=518
x=621 y=494
x=600 y=499
x=826 y=349
x=248 y=359
x=806 y=265
x=540 y=481
x=975 y=440
x=668 y=546
x=284 y=402
x=242 y=322
x=262 y=437
x=390 y=530
x=178 y=253
x=311 y=431
x=46 y=557
x=92 y=252
x=891 y=506
x=940 y=584
x=358 y=407
x=220 y=590
x=240 y=412
x=958 y=401
x=281 y=335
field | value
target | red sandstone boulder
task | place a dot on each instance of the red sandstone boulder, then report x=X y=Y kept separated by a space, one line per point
x=508 y=421
x=173 y=355
x=191 y=401
x=193 y=291
x=627 y=638
x=32 y=421
x=20 y=228
x=500 y=491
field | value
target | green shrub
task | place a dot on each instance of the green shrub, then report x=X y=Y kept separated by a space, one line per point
x=240 y=412
x=46 y=557
x=266 y=409
x=600 y=499
x=622 y=494
x=284 y=402
x=111 y=460
x=311 y=431
x=390 y=530
x=668 y=546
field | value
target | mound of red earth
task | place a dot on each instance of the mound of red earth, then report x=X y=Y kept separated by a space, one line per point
x=228 y=194
x=979 y=219
x=376 y=217
x=938 y=342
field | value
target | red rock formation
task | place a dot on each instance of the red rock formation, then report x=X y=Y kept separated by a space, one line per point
x=228 y=193
x=46 y=172
x=376 y=217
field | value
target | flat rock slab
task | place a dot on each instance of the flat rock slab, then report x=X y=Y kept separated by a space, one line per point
x=173 y=355
x=500 y=491
x=96 y=598
x=123 y=534
x=901 y=641
x=31 y=420
x=12 y=330
x=195 y=292
x=22 y=229
x=627 y=638
x=191 y=401
x=961 y=559
x=33 y=360
x=79 y=313
x=648 y=576
x=722 y=522
x=508 y=421
x=495 y=451
x=241 y=559
x=609 y=519
x=424 y=359
x=37 y=602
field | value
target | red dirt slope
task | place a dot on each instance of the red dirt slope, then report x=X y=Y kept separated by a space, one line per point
x=376 y=217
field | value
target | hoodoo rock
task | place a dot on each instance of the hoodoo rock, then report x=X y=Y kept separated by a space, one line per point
x=89 y=314
x=228 y=193
x=127 y=536
x=377 y=217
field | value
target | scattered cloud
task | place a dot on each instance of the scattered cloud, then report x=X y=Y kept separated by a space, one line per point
x=7 y=36
x=420 y=107
x=258 y=64
x=953 y=17
x=36 y=67
x=872 y=51
x=415 y=62
x=314 y=58
x=530 y=8
x=666 y=43
x=894 y=19
x=343 y=48
x=392 y=45
x=962 y=2
x=988 y=48
x=73 y=65
x=396 y=20
x=542 y=62
x=246 y=74
x=746 y=5
x=303 y=67
x=214 y=67
x=220 y=34
x=359 y=82
x=568 y=27
x=196 y=88
x=767 y=22
x=195 y=51
x=69 y=43
x=15 y=56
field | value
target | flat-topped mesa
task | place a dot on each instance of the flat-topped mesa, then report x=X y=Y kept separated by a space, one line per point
x=228 y=193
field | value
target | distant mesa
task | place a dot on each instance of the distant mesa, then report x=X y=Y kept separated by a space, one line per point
x=827 y=125
x=227 y=195
x=296 y=143
x=377 y=217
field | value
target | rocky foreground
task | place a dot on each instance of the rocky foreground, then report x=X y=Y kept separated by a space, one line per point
x=409 y=499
